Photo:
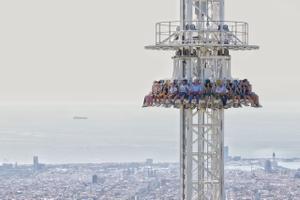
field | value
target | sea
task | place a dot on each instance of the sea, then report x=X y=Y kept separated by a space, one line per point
x=96 y=133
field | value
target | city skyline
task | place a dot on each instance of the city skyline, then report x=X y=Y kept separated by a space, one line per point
x=142 y=181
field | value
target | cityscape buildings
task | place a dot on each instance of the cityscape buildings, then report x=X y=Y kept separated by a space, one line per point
x=245 y=179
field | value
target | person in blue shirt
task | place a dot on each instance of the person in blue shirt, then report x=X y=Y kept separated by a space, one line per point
x=183 y=90
x=196 y=91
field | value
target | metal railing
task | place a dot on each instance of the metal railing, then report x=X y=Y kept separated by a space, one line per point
x=202 y=32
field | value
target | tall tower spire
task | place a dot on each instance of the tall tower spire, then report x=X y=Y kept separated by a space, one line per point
x=202 y=40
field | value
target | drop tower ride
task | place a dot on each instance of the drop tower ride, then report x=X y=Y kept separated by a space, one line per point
x=202 y=40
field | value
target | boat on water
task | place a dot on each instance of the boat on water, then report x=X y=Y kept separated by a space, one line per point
x=79 y=117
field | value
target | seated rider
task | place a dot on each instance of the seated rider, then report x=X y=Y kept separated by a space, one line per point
x=237 y=93
x=221 y=92
x=253 y=98
x=156 y=91
x=148 y=100
x=209 y=93
x=183 y=90
x=196 y=91
x=173 y=92
x=160 y=93
x=165 y=91
x=230 y=92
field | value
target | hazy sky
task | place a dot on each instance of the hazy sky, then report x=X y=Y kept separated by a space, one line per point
x=92 y=51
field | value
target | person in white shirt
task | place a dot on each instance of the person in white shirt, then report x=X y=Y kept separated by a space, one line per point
x=173 y=92
x=221 y=92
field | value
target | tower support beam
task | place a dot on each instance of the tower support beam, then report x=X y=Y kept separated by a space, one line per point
x=202 y=41
x=201 y=131
x=202 y=165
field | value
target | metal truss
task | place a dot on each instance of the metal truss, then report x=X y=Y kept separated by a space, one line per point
x=202 y=40
x=201 y=154
x=202 y=131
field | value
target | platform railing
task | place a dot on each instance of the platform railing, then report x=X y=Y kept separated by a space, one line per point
x=202 y=33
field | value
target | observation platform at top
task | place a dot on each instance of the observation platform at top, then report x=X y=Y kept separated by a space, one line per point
x=232 y=35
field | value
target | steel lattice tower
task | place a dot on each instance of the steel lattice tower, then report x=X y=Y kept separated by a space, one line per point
x=202 y=41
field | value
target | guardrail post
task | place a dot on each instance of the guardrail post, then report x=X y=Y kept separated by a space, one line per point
x=247 y=29
x=236 y=34
x=159 y=36
x=156 y=33
x=170 y=32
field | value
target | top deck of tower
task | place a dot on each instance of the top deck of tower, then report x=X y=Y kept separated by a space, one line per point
x=232 y=35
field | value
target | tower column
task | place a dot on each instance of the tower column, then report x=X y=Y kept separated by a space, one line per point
x=202 y=52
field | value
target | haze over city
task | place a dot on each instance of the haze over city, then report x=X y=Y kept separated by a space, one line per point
x=62 y=64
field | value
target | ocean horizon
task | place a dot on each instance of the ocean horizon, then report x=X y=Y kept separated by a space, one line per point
x=129 y=133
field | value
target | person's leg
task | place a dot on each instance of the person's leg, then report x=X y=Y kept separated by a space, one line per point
x=154 y=98
x=145 y=101
x=257 y=101
x=224 y=99
x=205 y=98
x=238 y=99
x=158 y=99
x=185 y=97
x=191 y=96
x=197 y=98
x=174 y=98
x=182 y=96
x=243 y=99
x=150 y=100
x=250 y=100
x=186 y=100
x=161 y=98
x=170 y=98
x=164 y=98
x=208 y=101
